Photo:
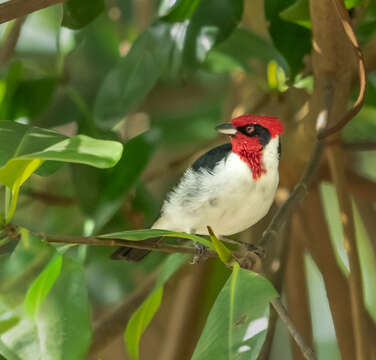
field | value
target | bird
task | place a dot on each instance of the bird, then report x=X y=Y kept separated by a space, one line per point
x=230 y=188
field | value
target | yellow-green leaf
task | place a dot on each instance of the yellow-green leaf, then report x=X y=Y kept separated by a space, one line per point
x=144 y=314
x=42 y=285
x=223 y=252
x=140 y=320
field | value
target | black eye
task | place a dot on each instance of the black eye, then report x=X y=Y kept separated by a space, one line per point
x=249 y=129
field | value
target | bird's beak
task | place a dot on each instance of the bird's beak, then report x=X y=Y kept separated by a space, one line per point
x=226 y=128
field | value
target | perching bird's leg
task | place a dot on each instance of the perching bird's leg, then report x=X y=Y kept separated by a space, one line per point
x=201 y=253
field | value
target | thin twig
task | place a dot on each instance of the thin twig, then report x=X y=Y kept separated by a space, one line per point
x=345 y=20
x=284 y=316
x=295 y=197
x=10 y=43
x=14 y=9
x=145 y=244
x=363 y=146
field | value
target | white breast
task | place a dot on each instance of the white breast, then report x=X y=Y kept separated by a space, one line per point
x=229 y=199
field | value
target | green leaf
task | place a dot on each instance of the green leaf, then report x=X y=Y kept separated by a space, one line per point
x=144 y=314
x=211 y=23
x=284 y=33
x=177 y=10
x=352 y=3
x=64 y=325
x=31 y=97
x=362 y=128
x=7 y=353
x=140 y=321
x=21 y=142
x=42 y=285
x=129 y=82
x=236 y=326
x=143 y=234
x=367 y=263
x=223 y=252
x=7 y=321
x=24 y=148
x=298 y=13
x=244 y=45
x=79 y=13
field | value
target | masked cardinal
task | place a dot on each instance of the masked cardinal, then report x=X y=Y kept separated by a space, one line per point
x=230 y=188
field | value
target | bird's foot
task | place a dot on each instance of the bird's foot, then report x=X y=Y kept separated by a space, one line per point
x=258 y=250
x=201 y=253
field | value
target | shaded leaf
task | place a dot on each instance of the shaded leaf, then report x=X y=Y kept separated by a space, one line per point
x=135 y=75
x=31 y=97
x=177 y=10
x=7 y=321
x=236 y=326
x=64 y=324
x=144 y=314
x=298 y=13
x=283 y=34
x=119 y=180
x=42 y=285
x=244 y=45
x=211 y=23
x=79 y=13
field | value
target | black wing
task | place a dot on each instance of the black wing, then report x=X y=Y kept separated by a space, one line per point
x=209 y=160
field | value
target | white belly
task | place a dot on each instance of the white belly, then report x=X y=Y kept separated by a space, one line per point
x=230 y=200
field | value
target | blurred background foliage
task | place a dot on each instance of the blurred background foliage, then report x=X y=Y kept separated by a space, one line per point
x=157 y=76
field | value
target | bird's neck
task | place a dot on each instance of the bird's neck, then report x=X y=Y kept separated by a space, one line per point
x=254 y=154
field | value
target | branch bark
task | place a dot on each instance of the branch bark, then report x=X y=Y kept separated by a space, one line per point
x=296 y=288
x=359 y=314
x=10 y=43
x=14 y=9
x=320 y=246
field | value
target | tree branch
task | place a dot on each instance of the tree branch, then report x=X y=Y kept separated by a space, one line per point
x=284 y=316
x=14 y=9
x=10 y=43
x=145 y=244
x=321 y=249
x=345 y=21
x=355 y=278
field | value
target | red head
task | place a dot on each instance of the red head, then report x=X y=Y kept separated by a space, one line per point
x=249 y=135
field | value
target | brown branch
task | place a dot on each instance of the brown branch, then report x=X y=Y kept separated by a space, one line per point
x=14 y=9
x=107 y=328
x=320 y=247
x=296 y=288
x=284 y=316
x=337 y=169
x=300 y=190
x=363 y=146
x=145 y=244
x=345 y=20
x=50 y=199
x=10 y=43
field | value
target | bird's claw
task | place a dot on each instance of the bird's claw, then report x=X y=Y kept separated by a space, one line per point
x=258 y=250
x=201 y=253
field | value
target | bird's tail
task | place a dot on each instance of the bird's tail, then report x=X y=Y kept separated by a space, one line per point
x=134 y=255
x=129 y=254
